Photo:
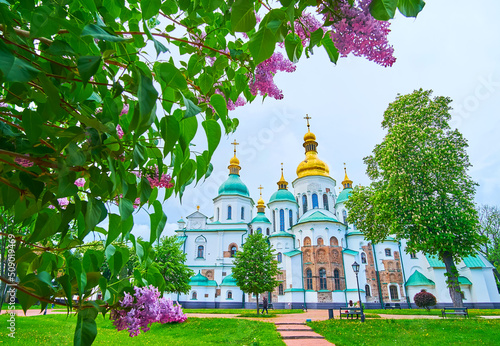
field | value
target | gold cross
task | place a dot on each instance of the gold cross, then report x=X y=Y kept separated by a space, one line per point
x=260 y=188
x=282 y=168
x=307 y=117
x=235 y=144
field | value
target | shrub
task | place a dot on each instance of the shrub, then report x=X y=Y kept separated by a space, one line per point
x=424 y=299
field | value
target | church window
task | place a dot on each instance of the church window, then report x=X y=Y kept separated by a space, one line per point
x=393 y=289
x=363 y=258
x=388 y=252
x=336 y=279
x=368 y=291
x=267 y=231
x=218 y=214
x=259 y=230
x=315 y=201
x=201 y=250
x=233 y=250
x=413 y=255
x=322 y=279
x=194 y=295
x=282 y=220
x=307 y=241
x=229 y=295
x=334 y=241
x=309 y=280
x=320 y=241
x=344 y=215
x=280 y=257
x=280 y=290
x=304 y=203
x=229 y=211
x=290 y=217
x=242 y=213
x=325 y=201
x=274 y=220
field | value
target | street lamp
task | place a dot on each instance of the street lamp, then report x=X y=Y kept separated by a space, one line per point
x=355 y=267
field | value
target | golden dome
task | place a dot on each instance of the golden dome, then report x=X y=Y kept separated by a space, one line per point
x=312 y=165
x=347 y=183
x=261 y=206
x=234 y=163
x=309 y=136
x=282 y=183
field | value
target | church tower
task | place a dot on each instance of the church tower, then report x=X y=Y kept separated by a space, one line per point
x=283 y=207
x=260 y=222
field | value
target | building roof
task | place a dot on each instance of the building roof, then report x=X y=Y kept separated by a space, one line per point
x=200 y=280
x=350 y=252
x=229 y=281
x=344 y=195
x=281 y=234
x=260 y=217
x=419 y=279
x=462 y=280
x=434 y=261
x=292 y=253
x=474 y=262
x=316 y=217
x=181 y=239
x=234 y=186
x=282 y=195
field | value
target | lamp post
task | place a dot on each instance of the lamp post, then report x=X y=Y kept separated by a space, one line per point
x=355 y=267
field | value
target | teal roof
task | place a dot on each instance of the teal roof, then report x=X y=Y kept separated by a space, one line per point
x=317 y=216
x=350 y=252
x=344 y=195
x=261 y=217
x=229 y=281
x=354 y=290
x=233 y=186
x=181 y=239
x=280 y=234
x=419 y=279
x=200 y=280
x=474 y=262
x=434 y=261
x=282 y=195
x=181 y=221
x=294 y=290
x=462 y=280
x=354 y=233
x=292 y=253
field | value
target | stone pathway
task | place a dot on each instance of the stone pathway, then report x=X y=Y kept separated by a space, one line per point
x=299 y=334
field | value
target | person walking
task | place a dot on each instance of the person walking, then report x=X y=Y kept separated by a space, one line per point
x=264 y=305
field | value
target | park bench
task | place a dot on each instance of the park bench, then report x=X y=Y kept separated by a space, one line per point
x=395 y=306
x=350 y=311
x=455 y=311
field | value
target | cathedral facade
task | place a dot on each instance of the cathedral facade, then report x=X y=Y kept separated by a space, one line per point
x=315 y=248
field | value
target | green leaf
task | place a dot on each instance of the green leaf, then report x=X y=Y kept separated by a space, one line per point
x=186 y=173
x=147 y=95
x=293 y=47
x=316 y=38
x=67 y=185
x=170 y=132
x=13 y=68
x=80 y=275
x=36 y=187
x=213 y=132
x=330 y=48
x=261 y=45
x=113 y=228
x=65 y=283
x=139 y=154
x=126 y=208
x=172 y=77
x=205 y=82
x=150 y=8
x=410 y=8
x=242 y=16
x=158 y=220
x=88 y=66
x=383 y=9
x=86 y=327
x=191 y=108
x=219 y=103
x=100 y=33
x=94 y=214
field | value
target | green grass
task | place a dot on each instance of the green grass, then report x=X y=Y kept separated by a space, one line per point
x=433 y=312
x=58 y=330
x=410 y=332
x=241 y=311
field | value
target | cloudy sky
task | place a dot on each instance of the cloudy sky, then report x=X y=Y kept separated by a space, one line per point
x=453 y=48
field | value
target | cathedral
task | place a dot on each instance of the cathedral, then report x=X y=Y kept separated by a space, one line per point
x=315 y=247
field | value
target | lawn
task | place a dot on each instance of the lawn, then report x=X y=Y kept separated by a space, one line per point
x=58 y=330
x=433 y=312
x=410 y=332
x=241 y=311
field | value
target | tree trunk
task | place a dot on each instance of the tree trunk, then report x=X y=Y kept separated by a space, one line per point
x=257 y=303
x=452 y=281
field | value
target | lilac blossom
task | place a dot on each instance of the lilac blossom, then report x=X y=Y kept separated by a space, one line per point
x=263 y=82
x=306 y=25
x=119 y=131
x=80 y=182
x=125 y=109
x=23 y=162
x=155 y=181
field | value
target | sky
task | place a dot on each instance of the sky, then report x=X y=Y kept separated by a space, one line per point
x=453 y=48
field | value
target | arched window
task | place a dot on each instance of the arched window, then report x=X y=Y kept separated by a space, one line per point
x=334 y=241
x=233 y=250
x=290 y=217
x=229 y=210
x=413 y=255
x=274 y=220
x=368 y=291
x=282 y=220
x=194 y=296
x=267 y=231
x=309 y=280
x=322 y=279
x=336 y=279
x=280 y=289
x=307 y=241
x=325 y=201
x=280 y=257
x=388 y=252
x=315 y=201
x=363 y=258
x=218 y=214
x=229 y=295
x=243 y=213
x=304 y=204
x=201 y=250
x=259 y=230
x=320 y=241
x=344 y=215
x=393 y=289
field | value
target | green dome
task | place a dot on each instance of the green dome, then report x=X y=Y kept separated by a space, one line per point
x=229 y=281
x=233 y=186
x=198 y=279
x=282 y=195
x=261 y=217
x=344 y=195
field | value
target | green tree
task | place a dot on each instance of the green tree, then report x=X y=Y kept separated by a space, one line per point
x=170 y=259
x=420 y=188
x=489 y=227
x=255 y=269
